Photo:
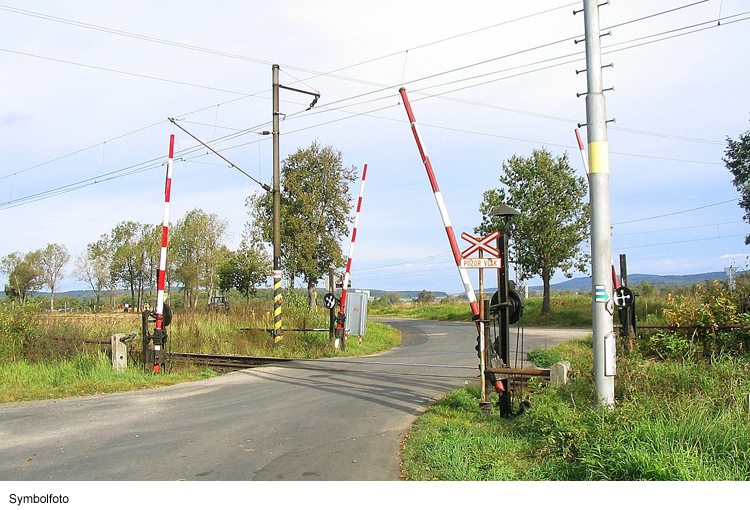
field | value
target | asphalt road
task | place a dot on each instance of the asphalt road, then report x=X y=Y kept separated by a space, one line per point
x=318 y=420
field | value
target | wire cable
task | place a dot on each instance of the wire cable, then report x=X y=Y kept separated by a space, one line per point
x=99 y=68
x=440 y=94
x=258 y=93
x=676 y=212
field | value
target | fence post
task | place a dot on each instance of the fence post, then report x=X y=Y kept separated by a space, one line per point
x=119 y=352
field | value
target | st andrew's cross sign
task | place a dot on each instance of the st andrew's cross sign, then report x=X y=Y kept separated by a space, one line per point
x=482 y=243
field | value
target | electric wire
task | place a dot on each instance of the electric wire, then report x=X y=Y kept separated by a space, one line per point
x=437 y=95
x=251 y=59
x=683 y=242
x=379 y=109
x=676 y=212
x=676 y=228
x=138 y=75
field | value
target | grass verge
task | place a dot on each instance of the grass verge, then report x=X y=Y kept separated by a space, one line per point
x=83 y=375
x=672 y=421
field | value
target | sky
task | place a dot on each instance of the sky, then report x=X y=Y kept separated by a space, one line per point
x=88 y=88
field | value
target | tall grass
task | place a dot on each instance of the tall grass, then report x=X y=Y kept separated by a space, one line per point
x=48 y=356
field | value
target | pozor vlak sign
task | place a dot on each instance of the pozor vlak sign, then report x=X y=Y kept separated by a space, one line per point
x=481 y=244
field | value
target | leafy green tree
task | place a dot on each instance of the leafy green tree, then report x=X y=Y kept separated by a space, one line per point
x=244 y=270
x=92 y=266
x=391 y=298
x=197 y=250
x=128 y=266
x=737 y=160
x=554 y=219
x=24 y=275
x=315 y=206
x=52 y=261
x=424 y=297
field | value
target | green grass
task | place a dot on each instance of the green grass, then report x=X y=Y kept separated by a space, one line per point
x=443 y=312
x=672 y=421
x=83 y=375
x=567 y=310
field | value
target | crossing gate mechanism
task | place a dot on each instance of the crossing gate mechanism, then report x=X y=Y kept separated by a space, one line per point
x=157 y=356
x=503 y=372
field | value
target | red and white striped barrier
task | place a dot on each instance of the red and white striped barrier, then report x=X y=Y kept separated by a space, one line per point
x=441 y=207
x=583 y=153
x=163 y=253
x=351 y=254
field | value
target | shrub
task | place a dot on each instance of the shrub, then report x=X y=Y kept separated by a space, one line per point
x=709 y=308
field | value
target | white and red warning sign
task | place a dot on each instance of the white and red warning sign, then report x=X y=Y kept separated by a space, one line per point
x=483 y=244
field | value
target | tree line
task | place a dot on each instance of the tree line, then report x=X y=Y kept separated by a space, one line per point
x=315 y=212
x=127 y=258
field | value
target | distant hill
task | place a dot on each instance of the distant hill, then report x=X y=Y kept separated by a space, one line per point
x=659 y=281
x=573 y=285
x=405 y=294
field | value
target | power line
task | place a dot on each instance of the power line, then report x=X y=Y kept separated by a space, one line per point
x=251 y=59
x=240 y=133
x=442 y=95
x=693 y=227
x=675 y=213
x=99 y=68
x=82 y=150
x=681 y=242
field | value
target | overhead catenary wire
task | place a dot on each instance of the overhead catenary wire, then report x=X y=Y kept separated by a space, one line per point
x=256 y=60
x=684 y=241
x=692 y=227
x=676 y=212
x=337 y=120
x=437 y=95
x=137 y=75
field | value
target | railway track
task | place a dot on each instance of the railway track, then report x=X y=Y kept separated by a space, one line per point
x=226 y=361
x=236 y=362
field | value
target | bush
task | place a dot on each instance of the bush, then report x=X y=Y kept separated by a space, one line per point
x=18 y=329
x=708 y=309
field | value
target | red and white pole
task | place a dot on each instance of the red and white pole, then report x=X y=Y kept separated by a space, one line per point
x=583 y=153
x=163 y=253
x=615 y=280
x=351 y=254
x=441 y=207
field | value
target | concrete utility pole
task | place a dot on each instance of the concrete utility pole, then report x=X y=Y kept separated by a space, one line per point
x=277 y=329
x=601 y=224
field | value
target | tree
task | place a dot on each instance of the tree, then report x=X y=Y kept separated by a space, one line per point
x=315 y=205
x=198 y=250
x=24 y=276
x=391 y=298
x=554 y=219
x=737 y=160
x=52 y=260
x=424 y=297
x=92 y=266
x=128 y=265
x=244 y=270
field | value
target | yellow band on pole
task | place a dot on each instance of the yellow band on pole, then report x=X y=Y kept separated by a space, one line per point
x=277 y=311
x=599 y=157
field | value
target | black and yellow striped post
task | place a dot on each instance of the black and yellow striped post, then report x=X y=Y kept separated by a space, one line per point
x=277 y=301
